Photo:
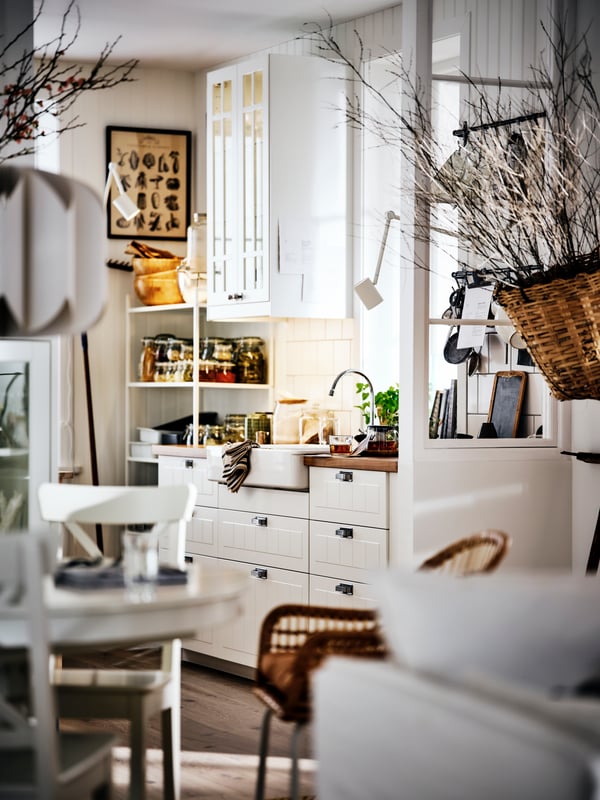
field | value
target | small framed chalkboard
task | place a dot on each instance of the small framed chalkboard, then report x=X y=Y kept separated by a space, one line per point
x=506 y=403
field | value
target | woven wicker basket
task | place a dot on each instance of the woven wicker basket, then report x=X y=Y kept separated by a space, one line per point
x=558 y=315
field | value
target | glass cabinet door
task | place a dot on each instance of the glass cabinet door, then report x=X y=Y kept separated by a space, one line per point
x=221 y=186
x=25 y=431
x=253 y=165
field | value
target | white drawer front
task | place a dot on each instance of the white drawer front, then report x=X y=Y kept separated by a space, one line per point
x=329 y=592
x=279 y=542
x=353 y=551
x=173 y=471
x=356 y=497
x=239 y=638
x=237 y=641
x=264 y=501
x=201 y=536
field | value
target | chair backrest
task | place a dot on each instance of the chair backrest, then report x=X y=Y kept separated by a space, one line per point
x=24 y=650
x=480 y=552
x=75 y=505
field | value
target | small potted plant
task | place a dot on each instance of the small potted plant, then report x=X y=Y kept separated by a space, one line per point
x=382 y=438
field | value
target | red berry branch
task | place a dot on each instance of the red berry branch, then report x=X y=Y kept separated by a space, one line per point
x=42 y=83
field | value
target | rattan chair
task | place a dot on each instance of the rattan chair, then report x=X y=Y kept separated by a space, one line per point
x=295 y=639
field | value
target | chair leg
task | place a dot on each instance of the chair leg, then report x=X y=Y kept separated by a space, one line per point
x=294 y=776
x=170 y=748
x=262 y=757
x=137 y=745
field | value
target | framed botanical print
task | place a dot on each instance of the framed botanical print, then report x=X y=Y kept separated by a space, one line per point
x=154 y=168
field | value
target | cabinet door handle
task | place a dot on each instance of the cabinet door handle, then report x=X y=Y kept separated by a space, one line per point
x=345 y=588
x=345 y=533
x=259 y=572
x=188 y=559
x=235 y=296
x=189 y=464
x=344 y=476
x=260 y=521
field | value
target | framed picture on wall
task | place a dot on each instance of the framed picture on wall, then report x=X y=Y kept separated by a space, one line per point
x=153 y=166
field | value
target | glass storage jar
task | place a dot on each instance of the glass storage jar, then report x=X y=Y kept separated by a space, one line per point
x=235 y=427
x=147 y=359
x=286 y=420
x=329 y=425
x=258 y=427
x=250 y=360
x=308 y=425
x=224 y=372
x=207 y=370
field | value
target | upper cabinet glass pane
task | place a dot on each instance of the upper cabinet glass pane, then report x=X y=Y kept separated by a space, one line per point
x=258 y=87
x=227 y=99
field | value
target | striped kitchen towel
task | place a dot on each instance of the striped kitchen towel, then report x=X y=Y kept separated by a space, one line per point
x=236 y=463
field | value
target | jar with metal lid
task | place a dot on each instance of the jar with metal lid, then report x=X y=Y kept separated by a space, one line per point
x=174 y=347
x=207 y=347
x=147 y=359
x=224 y=350
x=207 y=371
x=162 y=343
x=250 y=360
x=225 y=372
x=258 y=427
x=160 y=371
x=286 y=419
x=213 y=435
x=235 y=427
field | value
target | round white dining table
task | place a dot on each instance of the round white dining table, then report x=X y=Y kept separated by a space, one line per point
x=87 y=619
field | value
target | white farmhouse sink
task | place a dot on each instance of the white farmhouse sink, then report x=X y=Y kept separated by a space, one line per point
x=274 y=466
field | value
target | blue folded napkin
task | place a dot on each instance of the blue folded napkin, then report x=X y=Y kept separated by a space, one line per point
x=78 y=576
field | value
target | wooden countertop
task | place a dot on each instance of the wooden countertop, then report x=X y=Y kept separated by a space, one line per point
x=374 y=463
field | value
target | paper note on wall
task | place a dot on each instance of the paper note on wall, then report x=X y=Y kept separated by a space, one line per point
x=297 y=246
x=476 y=306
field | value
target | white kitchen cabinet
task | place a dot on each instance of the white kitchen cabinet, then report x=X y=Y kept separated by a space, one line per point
x=349 y=534
x=152 y=403
x=278 y=189
x=316 y=547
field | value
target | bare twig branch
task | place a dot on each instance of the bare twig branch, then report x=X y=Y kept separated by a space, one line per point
x=41 y=83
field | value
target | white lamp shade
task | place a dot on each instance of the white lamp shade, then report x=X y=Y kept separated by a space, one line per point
x=52 y=274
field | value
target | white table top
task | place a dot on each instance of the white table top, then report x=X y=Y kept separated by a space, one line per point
x=84 y=619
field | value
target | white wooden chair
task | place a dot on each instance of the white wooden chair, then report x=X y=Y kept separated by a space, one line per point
x=129 y=694
x=36 y=761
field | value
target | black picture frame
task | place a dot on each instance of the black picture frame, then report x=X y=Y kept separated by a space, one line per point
x=154 y=165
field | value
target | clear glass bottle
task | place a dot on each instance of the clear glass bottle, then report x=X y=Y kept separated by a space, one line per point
x=195 y=259
x=147 y=359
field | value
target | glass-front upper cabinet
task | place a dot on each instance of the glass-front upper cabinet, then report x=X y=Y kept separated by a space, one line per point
x=277 y=201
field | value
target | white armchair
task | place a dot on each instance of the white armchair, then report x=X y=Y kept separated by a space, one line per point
x=478 y=698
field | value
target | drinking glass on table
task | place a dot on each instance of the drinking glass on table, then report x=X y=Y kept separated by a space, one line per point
x=140 y=562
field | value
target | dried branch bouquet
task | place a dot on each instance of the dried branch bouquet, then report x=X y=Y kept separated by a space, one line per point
x=525 y=193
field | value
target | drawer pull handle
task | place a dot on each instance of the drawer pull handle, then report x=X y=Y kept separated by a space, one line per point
x=344 y=476
x=259 y=572
x=345 y=533
x=189 y=464
x=345 y=588
x=235 y=296
x=188 y=559
x=260 y=521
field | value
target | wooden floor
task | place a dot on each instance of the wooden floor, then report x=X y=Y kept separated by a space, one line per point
x=220 y=726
